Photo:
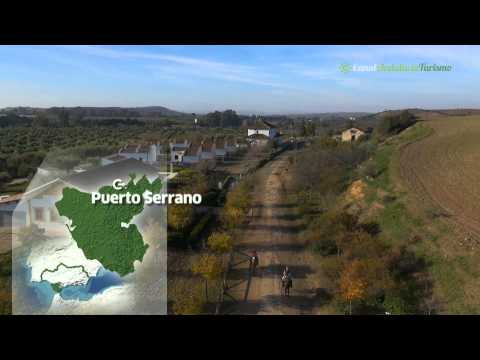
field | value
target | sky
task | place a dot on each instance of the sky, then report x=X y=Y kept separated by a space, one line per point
x=249 y=79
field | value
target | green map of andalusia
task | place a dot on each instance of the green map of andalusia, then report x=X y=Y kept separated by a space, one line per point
x=97 y=228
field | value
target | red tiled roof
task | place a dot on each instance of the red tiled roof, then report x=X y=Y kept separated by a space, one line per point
x=143 y=149
x=116 y=158
x=129 y=149
x=258 y=136
x=262 y=124
x=12 y=198
x=220 y=142
x=207 y=144
x=192 y=150
x=230 y=141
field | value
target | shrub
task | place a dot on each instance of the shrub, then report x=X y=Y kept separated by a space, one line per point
x=179 y=216
x=393 y=124
x=220 y=242
x=208 y=266
x=325 y=246
x=199 y=227
x=186 y=299
x=371 y=170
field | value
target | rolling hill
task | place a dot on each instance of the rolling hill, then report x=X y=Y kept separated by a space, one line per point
x=97 y=112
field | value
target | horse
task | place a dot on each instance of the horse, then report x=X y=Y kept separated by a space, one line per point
x=287 y=284
x=254 y=263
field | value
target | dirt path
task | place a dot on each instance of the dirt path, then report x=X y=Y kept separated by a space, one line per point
x=273 y=232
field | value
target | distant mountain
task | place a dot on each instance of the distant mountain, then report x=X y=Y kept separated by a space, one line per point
x=333 y=115
x=96 y=112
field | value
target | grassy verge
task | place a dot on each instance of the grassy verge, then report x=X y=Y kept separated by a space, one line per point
x=383 y=193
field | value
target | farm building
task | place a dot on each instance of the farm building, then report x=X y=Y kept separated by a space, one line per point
x=263 y=128
x=352 y=134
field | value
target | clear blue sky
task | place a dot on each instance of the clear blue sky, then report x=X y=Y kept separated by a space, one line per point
x=248 y=79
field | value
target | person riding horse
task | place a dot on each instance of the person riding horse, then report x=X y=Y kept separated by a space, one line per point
x=254 y=261
x=287 y=281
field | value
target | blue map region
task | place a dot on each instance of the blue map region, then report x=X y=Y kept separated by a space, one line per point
x=40 y=294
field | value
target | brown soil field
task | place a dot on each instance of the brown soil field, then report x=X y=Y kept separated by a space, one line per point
x=443 y=170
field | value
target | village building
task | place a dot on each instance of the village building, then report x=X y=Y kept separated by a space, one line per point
x=208 y=149
x=264 y=128
x=45 y=170
x=230 y=144
x=7 y=207
x=193 y=154
x=112 y=159
x=37 y=204
x=177 y=151
x=258 y=139
x=220 y=148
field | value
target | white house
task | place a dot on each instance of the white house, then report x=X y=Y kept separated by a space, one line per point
x=220 y=148
x=112 y=159
x=45 y=170
x=193 y=154
x=264 y=128
x=149 y=154
x=177 y=151
x=258 y=139
x=37 y=205
x=208 y=149
x=145 y=153
x=230 y=145
x=7 y=206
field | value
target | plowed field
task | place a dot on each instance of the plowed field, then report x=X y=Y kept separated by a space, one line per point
x=443 y=170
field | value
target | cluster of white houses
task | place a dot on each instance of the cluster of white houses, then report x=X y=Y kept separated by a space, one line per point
x=149 y=154
x=140 y=157
x=209 y=148
x=37 y=204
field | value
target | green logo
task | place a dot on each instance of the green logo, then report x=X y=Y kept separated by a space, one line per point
x=345 y=68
